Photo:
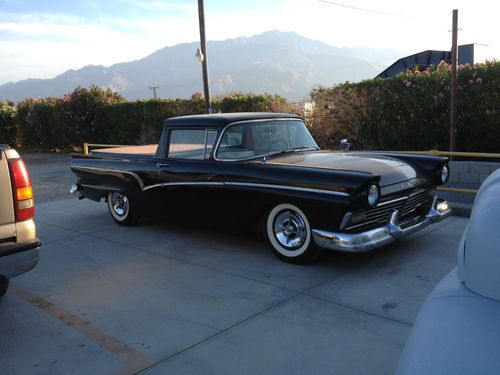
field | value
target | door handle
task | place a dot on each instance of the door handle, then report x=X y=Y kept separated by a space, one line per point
x=162 y=165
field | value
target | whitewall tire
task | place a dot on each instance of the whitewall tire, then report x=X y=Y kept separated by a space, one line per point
x=121 y=208
x=288 y=232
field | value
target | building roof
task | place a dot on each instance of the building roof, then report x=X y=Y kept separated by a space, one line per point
x=427 y=58
x=223 y=119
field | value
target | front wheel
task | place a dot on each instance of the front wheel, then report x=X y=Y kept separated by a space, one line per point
x=122 y=209
x=289 y=234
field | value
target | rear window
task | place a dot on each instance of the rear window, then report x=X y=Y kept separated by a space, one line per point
x=191 y=144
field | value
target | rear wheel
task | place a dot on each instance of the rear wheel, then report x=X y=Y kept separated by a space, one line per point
x=4 y=285
x=122 y=209
x=289 y=234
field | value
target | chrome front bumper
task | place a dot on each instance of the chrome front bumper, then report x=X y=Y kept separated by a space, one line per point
x=372 y=239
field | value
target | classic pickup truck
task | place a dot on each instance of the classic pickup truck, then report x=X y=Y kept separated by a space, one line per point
x=19 y=246
x=251 y=167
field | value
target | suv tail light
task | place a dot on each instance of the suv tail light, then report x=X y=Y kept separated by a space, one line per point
x=24 y=204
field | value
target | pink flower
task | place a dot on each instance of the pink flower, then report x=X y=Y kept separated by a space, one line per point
x=471 y=81
x=479 y=80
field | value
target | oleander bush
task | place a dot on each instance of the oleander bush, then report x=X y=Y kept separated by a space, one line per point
x=8 y=127
x=239 y=102
x=59 y=123
x=411 y=110
x=407 y=112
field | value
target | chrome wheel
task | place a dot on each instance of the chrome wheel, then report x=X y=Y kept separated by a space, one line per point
x=119 y=203
x=290 y=230
x=123 y=210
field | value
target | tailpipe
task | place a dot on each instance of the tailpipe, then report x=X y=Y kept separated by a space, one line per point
x=74 y=188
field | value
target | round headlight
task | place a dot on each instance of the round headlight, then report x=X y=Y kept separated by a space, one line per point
x=373 y=195
x=445 y=174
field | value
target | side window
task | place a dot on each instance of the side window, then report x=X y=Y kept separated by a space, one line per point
x=191 y=144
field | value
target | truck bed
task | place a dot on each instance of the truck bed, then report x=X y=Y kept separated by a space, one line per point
x=131 y=150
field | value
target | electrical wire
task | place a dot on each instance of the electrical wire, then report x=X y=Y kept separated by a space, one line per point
x=364 y=9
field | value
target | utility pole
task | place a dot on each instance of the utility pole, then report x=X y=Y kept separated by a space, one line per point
x=203 y=56
x=154 y=88
x=453 y=83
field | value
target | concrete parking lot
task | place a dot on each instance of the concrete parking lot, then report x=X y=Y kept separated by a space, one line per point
x=166 y=298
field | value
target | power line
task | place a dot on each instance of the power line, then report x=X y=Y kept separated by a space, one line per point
x=364 y=9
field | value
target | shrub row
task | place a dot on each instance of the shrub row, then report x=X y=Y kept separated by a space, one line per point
x=411 y=110
x=407 y=112
x=8 y=128
x=95 y=115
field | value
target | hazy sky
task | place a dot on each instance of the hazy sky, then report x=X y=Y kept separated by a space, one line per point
x=43 y=38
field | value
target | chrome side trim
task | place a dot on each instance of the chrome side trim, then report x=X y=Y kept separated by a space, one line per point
x=143 y=187
x=184 y=184
x=284 y=187
x=372 y=239
x=218 y=183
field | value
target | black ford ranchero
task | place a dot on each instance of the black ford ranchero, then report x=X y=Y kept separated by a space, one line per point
x=267 y=168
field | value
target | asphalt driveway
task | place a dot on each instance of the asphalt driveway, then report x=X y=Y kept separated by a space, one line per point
x=165 y=298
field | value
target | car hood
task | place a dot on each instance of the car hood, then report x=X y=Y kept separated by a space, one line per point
x=390 y=170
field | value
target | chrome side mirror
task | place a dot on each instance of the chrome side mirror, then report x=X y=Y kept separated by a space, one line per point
x=345 y=145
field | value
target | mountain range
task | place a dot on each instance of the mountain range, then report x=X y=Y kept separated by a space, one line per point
x=275 y=62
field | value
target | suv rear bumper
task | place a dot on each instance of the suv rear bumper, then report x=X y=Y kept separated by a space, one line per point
x=18 y=258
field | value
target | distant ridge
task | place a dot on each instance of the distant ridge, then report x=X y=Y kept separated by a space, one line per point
x=276 y=62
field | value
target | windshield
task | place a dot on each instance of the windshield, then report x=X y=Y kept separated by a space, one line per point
x=256 y=139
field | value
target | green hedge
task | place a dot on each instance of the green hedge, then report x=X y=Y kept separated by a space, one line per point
x=95 y=115
x=406 y=112
x=8 y=123
x=411 y=110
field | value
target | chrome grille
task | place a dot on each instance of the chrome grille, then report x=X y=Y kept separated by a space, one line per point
x=408 y=206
